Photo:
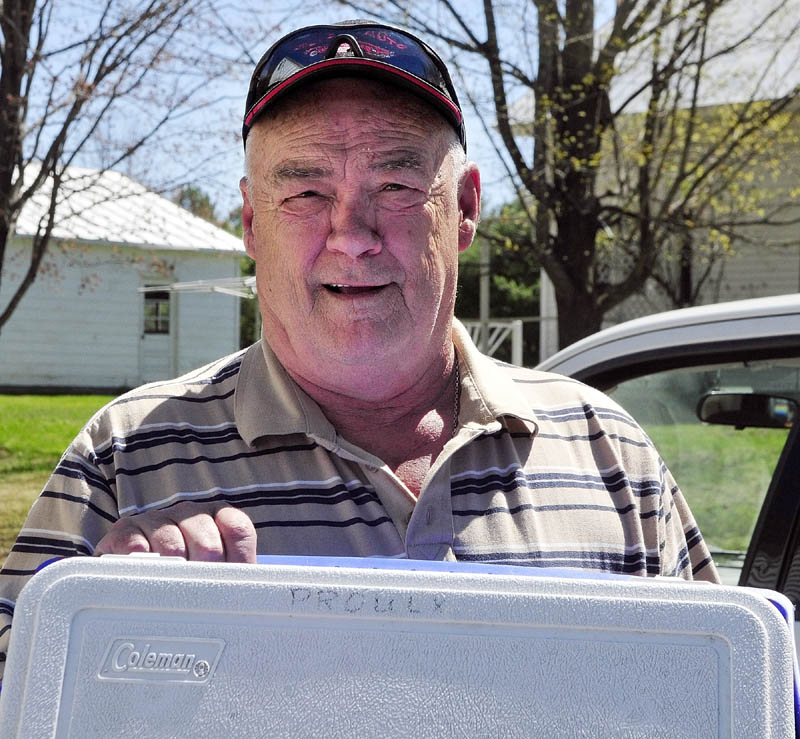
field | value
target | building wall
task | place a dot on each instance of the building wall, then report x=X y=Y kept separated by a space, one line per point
x=767 y=261
x=80 y=324
x=754 y=272
x=750 y=272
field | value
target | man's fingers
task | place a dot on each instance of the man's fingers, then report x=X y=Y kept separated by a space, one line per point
x=146 y=532
x=124 y=537
x=163 y=533
x=202 y=537
x=191 y=530
x=238 y=534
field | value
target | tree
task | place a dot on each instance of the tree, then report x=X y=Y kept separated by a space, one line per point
x=606 y=200
x=197 y=202
x=98 y=82
x=514 y=277
x=747 y=196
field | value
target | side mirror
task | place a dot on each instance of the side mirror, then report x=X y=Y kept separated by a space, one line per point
x=755 y=410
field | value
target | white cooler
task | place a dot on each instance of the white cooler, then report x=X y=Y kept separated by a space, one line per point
x=301 y=647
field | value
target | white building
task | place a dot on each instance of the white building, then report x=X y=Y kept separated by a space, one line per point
x=85 y=322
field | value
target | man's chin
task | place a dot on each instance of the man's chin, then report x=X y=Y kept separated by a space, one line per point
x=364 y=353
x=373 y=355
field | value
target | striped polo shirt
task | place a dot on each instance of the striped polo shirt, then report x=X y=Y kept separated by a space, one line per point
x=543 y=471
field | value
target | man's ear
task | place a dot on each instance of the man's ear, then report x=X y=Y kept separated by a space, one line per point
x=469 y=205
x=247 y=220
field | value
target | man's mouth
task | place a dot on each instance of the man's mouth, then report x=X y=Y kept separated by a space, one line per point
x=341 y=289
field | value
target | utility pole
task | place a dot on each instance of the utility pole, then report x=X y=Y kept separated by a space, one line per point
x=485 y=283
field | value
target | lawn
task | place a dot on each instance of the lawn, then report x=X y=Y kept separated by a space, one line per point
x=724 y=474
x=34 y=431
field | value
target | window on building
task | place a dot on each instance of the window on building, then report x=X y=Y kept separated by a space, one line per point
x=156 y=312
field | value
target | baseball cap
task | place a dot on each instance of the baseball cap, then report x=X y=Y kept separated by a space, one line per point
x=360 y=48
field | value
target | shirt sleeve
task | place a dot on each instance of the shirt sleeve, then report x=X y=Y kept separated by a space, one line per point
x=72 y=513
x=666 y=525
x=685 y=553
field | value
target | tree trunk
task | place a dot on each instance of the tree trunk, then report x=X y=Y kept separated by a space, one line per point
x=578 y=316
x=685 y=281
x=15 y=23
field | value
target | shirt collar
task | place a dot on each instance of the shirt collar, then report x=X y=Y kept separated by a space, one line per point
x=487 y=391
x=268 y=402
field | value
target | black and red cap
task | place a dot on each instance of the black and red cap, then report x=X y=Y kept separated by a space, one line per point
x=358 y=48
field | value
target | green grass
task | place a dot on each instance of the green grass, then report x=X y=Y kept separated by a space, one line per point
x=723 y=473
x=34 y=432
x=35 y=429
x=18 y=490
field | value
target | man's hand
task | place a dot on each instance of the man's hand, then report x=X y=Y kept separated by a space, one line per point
x=196 y=531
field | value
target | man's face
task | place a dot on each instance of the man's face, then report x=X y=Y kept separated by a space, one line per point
x=355 y=209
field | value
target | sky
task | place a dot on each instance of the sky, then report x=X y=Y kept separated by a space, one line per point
x=204 y=147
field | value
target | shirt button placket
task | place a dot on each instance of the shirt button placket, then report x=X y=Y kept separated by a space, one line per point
x=430 y=531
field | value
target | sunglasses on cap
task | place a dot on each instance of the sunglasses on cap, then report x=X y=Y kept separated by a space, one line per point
x=353 y=48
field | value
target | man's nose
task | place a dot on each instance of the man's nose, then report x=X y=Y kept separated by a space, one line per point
x=353 y=228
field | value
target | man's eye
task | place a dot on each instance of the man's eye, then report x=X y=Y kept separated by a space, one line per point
x=304 y=203
x=399 y=197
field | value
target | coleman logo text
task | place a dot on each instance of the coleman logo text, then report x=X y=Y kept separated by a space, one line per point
x=160 y=659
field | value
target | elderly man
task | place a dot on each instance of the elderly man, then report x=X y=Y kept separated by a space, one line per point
x=365 y=423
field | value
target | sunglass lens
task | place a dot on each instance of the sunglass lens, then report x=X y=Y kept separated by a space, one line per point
x=303 y=49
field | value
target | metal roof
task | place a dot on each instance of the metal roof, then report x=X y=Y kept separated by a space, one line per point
x=109 y=207
x=762 y=65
